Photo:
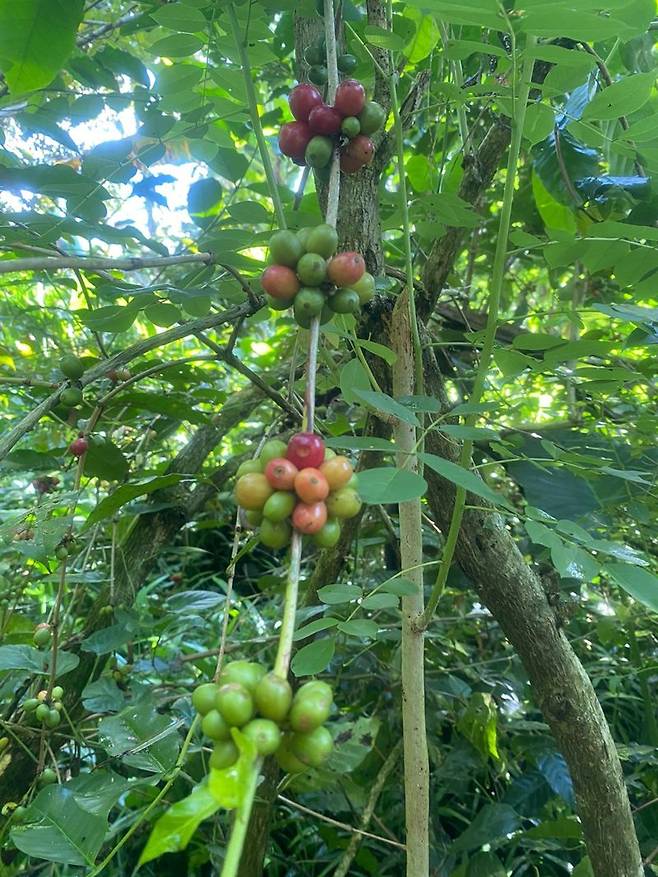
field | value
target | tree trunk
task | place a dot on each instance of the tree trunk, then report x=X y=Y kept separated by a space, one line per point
x=491 y=559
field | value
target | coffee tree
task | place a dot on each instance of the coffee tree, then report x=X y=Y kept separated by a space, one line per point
x=327 y=540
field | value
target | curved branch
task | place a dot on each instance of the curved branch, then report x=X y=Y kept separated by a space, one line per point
x=99 y=263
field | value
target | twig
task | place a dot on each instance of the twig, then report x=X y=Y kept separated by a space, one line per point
x=386 y=769
x=99 y=263
x=337 y=824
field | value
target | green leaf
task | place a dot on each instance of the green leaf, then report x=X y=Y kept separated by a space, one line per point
x=471 y=433
x=136 y=726
x=479 y=723
x=162 y=314
x=422 y=173
x=539 y=122
x=104 y=460
x=36 y=38
x=334 y=595
x=127 y=492
x=463 y=478
x=62 y=830
x=353 y=743
x=229 y=785
x=378 y=601
x=380 y=350
x=383 y=403
x=536 y=341
x=180 y=17
x=361 y=627
x=565 y=828
x=382 y=38
x=485 y=865
x=424 y=40
x=174 y=829
x=390 y=485
x=493 y=823
x=314 y=658
x=102 y=696
x=316 y=626
x=401 y=587
x=353 y=377
x=639 y=583
x=15 y=657
x=177 y=45
x=481 y=13
x=621 y=98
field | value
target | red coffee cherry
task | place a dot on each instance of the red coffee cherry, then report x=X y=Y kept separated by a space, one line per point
x=350 y=97
x=79 y=446
x=303 y=99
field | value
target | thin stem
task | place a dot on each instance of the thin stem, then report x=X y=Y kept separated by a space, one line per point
x=406 y=226
x=486 y=355
x=241 y=823
x=284 y=650
x=311 y=369
x=98 y=263
x=252 y=100
x=55 y=626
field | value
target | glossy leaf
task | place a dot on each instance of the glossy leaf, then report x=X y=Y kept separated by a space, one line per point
x=390 y=485
x=174 y=829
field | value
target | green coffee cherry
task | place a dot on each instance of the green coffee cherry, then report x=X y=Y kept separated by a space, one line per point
x=273 y=697
x=71 y=366
x=203 y=698
x=215 y=726
x=313 y=748
x=224 y=754
x=264 y=734
x=235 y=704
x=245 y=673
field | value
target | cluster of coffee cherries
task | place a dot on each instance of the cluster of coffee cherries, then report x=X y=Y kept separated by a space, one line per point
x=319 y=128
x=46 y=709
x=262 y=706
x=301 y=485
x=307 y=273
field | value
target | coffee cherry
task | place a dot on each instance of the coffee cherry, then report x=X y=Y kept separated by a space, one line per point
x=311 y=485
x=288 y=762
x=347 y=63
x=313 y=748
x=52 y=719
x=344 y=503
x=280 y=282
x=350 y=126
x=324 y=120
x=308 y=713
x=203 y=698
x=323 y=240
x=303 y=99
x=306 y=449
x=350 y=97
x=312 y=269
x=308 y=304
x=265 y=734
x=42 y=712
x=4 y=742
x=30 y=704
x=346 y=269
x=359 y=152
x=47 y=777
x=315 y=688
x=318 y=74
x=353 y=483
x=281 y=472
x=45 y=484
x=61 y=552
x=19 y=815
x=253 y=518
x=249 y=466
x=224 y=754
x=365 y=288
x=285 y=248
x=252 y=491
x=279 y=506
x=345 y=301
x=275 y=534
x=71 y=397
x=79 y=446
x=235 y=703
x=279 y=304
x=42 y=696
x=57 y=692
x=303 y=234
x=58 y=705
x=294 y=137
x=245 y=673
x=372 y=117
x=42 y=634
x=273 y=697
x=71 y=366
x=309 y=518
x=318 y=152
x=329 y=535
x=215 y=726
x=337 y=471
x=272 y=450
